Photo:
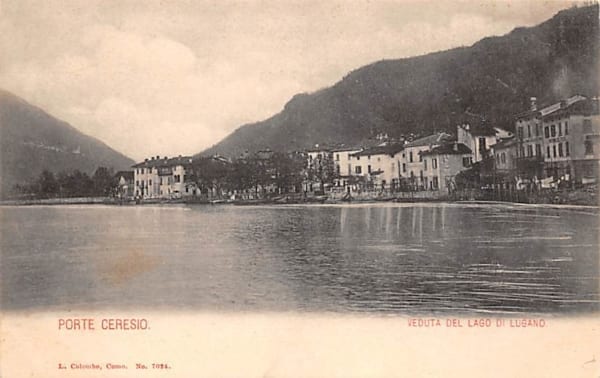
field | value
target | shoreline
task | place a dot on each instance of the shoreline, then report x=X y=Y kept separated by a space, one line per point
x=114 y=202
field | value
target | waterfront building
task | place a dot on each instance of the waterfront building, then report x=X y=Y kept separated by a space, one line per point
x=342 y=159
x=441 y=164
x=411 y=161
x=125 y=184
x=505 y=155
x=164 y=178
x=379 y=166
x=478 y=136
x=571 y=131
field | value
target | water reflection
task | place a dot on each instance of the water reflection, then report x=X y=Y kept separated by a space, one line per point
x=397 y=258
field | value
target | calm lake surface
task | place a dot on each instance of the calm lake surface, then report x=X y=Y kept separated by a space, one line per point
x=378 y=258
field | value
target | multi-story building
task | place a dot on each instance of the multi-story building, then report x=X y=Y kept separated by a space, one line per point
x=441 y=164
x=411 y=162
x=161 y=177
x=478 y=137
x=342 y=164
x=379 y=166
x=571 y=131
x=505 y=155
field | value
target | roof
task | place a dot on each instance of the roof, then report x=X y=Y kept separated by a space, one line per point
x=429 y=140
x=344 y=149
x=505 y=143
x=391 y=150
x=449 y=149
x=549 y=109
x=164 y=162
x=580 y=105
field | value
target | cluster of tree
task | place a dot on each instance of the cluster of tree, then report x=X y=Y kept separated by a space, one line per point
x=281 y=172
x=71 y=184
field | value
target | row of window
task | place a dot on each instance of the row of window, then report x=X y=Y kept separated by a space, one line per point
x=558 y=152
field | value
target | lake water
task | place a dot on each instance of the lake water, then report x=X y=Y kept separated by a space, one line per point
x=378 y=258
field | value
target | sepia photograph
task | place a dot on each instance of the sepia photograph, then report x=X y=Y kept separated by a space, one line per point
x=299 y=188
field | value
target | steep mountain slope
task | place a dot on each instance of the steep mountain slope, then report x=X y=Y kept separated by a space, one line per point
x=493 y=78
x=32 y=140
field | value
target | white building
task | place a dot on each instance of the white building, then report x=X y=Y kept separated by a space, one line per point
x=161 y=177
x=342 y=159
x=378 y=166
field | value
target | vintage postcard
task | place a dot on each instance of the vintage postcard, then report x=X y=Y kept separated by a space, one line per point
x=299 y=188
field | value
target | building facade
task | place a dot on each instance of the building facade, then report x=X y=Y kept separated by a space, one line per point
x=162 y=178
x=441 y=164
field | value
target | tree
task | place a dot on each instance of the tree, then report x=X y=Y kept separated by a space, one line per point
x=104 y=182
x=47 y=185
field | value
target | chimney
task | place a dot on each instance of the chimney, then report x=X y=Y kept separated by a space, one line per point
x=533 y=102
x=150 y=159
x=146 y=160
x=157 y=157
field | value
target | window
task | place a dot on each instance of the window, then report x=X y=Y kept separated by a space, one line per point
x=520 y=132
x=368 y=157
x=149 y=182
x=567 y=152
x=466 y=161
x=529 y=150
x=528 y=131
x=548 y=152
x=177 y=178
x=553 y=131
x=403 y=167
x=589 y=147
x=554 y=150
x=503 y=158
x=566 y=128
x=587 y=125
x=538 y=150
x=337 y=157
x=482 y=145
x=358 y=157
x=420 y=157
x=560 y=149
x=559 y=129
x=434 y=163
x=425 y=164
x=546 y=132
x=369 y=168
x=410 y=156
x=435 y=182
x=537 y=130
x=358 y=169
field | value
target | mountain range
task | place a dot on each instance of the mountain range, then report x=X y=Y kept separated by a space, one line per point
x=31 y=141
x=491 y=80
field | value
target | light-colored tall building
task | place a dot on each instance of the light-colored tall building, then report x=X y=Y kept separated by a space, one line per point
x=164 y=178
x=378 y=166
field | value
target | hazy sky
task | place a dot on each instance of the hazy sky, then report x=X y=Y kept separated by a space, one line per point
x=175 y=77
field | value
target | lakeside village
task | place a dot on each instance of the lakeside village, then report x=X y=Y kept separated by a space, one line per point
x=552 y=157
